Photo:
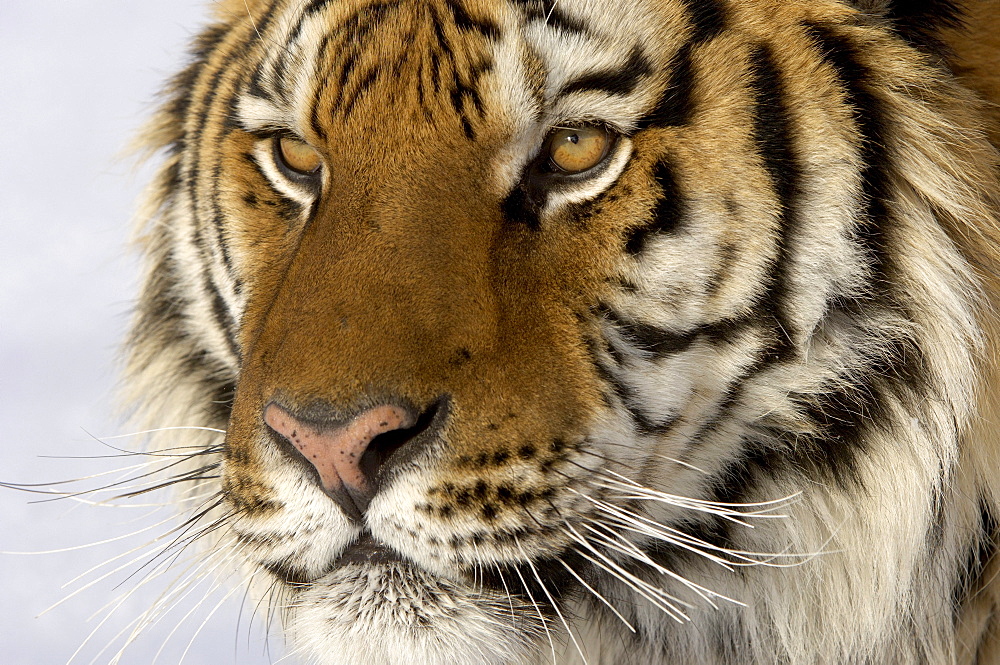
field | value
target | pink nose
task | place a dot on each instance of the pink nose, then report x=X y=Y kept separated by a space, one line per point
x=336 y=451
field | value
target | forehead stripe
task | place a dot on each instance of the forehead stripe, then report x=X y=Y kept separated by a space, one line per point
x=548 y=12
x=464 y=22
x=675 y=106
x=617 y=81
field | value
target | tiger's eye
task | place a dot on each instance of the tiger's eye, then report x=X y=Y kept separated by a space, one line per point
x=578 y=149
x=298 y=155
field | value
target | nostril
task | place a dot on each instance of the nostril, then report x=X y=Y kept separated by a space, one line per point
x=385 y=445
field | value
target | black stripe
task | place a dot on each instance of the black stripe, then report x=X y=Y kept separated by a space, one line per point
x=354 y=32
x=349 y=62
x=351 y=32
x=314 y=7
x=708 y=18
x=256 y=86
x=728 y=256
x=367 y=18
x=548 y=12
x=208 y=41
x=182 y=85
x=458 y=96
x=732 y=397
x=315 y=115
x=195 y=145
x=466 y=23
x=467 y=129
x=421 y=95
x=476 y=72
x=287 y=208
x=872 y=122
x=458 y=90
x=158 y=318
x=845 y=419
x=462 y=92
x=920 y=22
x=617 y=81
x=436 y=71
x=667 y=212
x=285 y=571
x=624 y=394
x=522 y=208
x=284 y=53
x=194 y=141
x=439 y=35
x=643 y=424
x=773 y=135
x=649 y=338
x=281 y=64
x=663 y=343
x=675 y=106
x=360 y=88
x=218 y=218
x=224 y=319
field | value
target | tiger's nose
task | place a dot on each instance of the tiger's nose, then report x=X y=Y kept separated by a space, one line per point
x=347 y=454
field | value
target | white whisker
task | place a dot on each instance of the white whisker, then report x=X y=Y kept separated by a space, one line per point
x=638 y=586
x=538 y=611
x=597 y=595
x=96 y=543
x=198 y=605
x=629 y=549
x=555 y=606
x=670 y=604
x=510 y=599
x=161 y=429
x=197 y=569
x=642 y=492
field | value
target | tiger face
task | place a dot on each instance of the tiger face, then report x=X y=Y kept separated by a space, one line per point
x=525 y=318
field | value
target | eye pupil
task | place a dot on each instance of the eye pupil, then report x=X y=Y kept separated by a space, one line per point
x=576 y=150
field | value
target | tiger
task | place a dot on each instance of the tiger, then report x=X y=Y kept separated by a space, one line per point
x=571 y=331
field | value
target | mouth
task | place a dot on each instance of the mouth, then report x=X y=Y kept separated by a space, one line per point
x=367 y=551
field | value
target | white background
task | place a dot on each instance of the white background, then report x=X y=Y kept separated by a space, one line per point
x=77 y=79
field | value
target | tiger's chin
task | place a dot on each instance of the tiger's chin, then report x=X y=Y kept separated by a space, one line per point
x=385 y=610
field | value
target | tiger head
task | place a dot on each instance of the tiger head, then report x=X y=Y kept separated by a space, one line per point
x=522 y=315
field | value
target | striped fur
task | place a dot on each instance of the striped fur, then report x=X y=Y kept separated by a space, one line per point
x=727 y=398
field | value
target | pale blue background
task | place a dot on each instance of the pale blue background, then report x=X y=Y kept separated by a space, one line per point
x=76 y=81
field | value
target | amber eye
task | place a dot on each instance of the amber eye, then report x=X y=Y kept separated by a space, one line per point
x=578 y=149
x=297 y=156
